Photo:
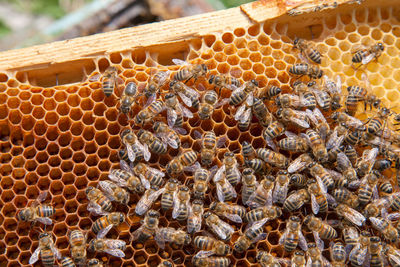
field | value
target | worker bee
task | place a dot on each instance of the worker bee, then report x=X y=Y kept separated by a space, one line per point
x=154 y=84
x=272 y=131
x=233 y=212
x=293 y=143
x=249 y=184
x=323 y=177
x=366 y=54
x=189 y=71
x=262 y=196
x=36 y=212
x=258 y=165
x=308 y=49
x=147 y=200
x=148 y=228
x=293 y=235
x=244 y=116
x=148 y=175
x=298 y=259
x=393 y=255
x=317 y=145
x=200 y=186
x=296 y=200
x=99 y=204
x=386 y=228
x=209 y=145
x=335 y=91
x=114 y=192
x=368 y=188
x=334 y=142
x=268 y=260
x=133 y=147
x=224 y=81
x=209 y=243
x=296 y=117
x=320 y=124
x=315 y=257
x=289 y=101
x=359 y=252
x=269 y=92
x=273 y=158
x=188 y=95
x=209 y=102
x=67 y=262
x=186 y=161
x=95 y=263
x=338 y=254
x=128 y=179
x=300 y=163
x=113 y=247
x=104 y=224
x=203 y=259
x=175 y=111
x=281 y=187
x=346 y=168
x=264 y=212
x=150 y=141
x=343 y=195
x=171 y=235
x=350 y=214
x=319 y=228
x=225 y=190
x=217 y=226
x=77 y=240
x=346 y=120
x=298 y=180
x=128 y=97
x=245 y=92
x=47 y=251
x=167 y=135
x=319 y=202
x=195 y=216
x=322 y=95
x=229 y=169
x=109 y=80
x=167 y=198
x=165 y=263
x=301 y=69
x=148 y=113
x=251 y=235
x=306 y=96
x=261 y=112
x=181 y=203
x=376 y=252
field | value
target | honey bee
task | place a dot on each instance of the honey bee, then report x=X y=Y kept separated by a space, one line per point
x=218 y=227
x=133 y=147
x=345 y=166
x=298 y=180
x=300 y=163
x=358 y=94
x=249 y=184
x=195 y=216
x=269 y=92
x=109 y=80
x=186 y=161
x=350 y=235
x=344 y=196
x=114 y=192
x=245 y=92
x=175 y=111
x=229 y=169
x=209 y=145
x=368 y=188
x=338 y=254
x=167 y=198
x=104 y=224
x=224 y=81
x=147 y=200
x=167 y=135
x=208 y=243
x=203 y=259
x=209 y=102
x=113 y=247
x=200 y=186
x=386 y=228
x=296 y=117
x=281 y=187
x=274 y=158
x=47 y=251
x=317 y=145
x=262 y=196
x=77 y=240
x=393 y=255
x=315 y=257
x=181 y=203
x=165 y=263
x=289 y=101
x=323 y=177
x=154 y=84
x=294 y=144
x=264 y=212
x=233 y=212
x=189 y=71
x=376 y=252
x=148 y=228
x=128 y=97
x=95 y=263
x=366 y=54
x=319 y=228
x=148 y=175
x=225 y=190
x=150 y=141
x=320 y=123
x=307 y=49
x=350 y=214
x=67 y=262
x=36 y=212
x=244 y=116
x=347 y=120
x=272 y=131
x=260 y=110
x=99 y=204
x=268 y=260
x=128 y=179
x=171 y=235
x=251 y=235
x=258 y=165
x=319 y=202
x=148 y=113
x=298 y=259
x=188 y=95
x=322 y=95
x=359 y=252
x=293 y=235
x=307 y=98
x=296 y=200
x=335 y=91
x=301 y=69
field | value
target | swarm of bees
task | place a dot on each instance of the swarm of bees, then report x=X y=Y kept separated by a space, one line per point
x=316 y=157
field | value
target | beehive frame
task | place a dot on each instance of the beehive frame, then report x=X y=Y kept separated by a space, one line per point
x=64 y=137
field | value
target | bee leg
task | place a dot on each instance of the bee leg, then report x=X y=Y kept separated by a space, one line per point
x=56 y=79
x=312 y=34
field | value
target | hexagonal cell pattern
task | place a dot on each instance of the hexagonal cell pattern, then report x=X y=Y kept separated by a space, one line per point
x=64 y=138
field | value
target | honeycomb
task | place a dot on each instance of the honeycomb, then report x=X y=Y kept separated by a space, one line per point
x=64 y=138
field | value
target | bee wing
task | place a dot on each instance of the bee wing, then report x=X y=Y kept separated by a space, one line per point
x=233 y=217
x=221 y=141
x=45 y=221
x=238 y=90
x=371 y=154
x=353 y=122
x=318 y=114
x=318 y=240
x=198 y=135
x=56 y=252
x=334 y=141
x=343 y=161
x=42 y=196
x=179 y=130
x=119 y=181
x=299 y=122
x=35 y=256
x=220 y=193
x=175 y=210
x=270 y=143
x=107 y=187
x=204 y=253
x=191 y=91
x=159 y=239
x=376 y=222
x=362 y=255
x=250 y=99
x=239 y=112
x=290 y=134
x=171 y=117
x=319 y=96
x=354 y=216
x=115 y=252
x=131 y=153
x=368 y=58
x=192 y=168
x=297 y=165
x=124 y=166
x=150 y=100
x=163 y=77
x=94 y=208
x=222 y=102
x=304 y=101
x=179 y=62
x=103 y=232
x=155 y=171
x=146 y=153
x=153 y=196
x=312 y=116
x=95 y=77
x=302 y=241
x=141 y=206
x=186 y=112
x=321 y=184
x=246 y=116
x=144 y=181
x=314 y=204
x=185 y=99
x=137 y=232
x=219 y=174
x=395 y=258
x=392 y=216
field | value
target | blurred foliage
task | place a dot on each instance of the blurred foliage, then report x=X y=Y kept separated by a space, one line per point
x=234 y=3
x=4 y=30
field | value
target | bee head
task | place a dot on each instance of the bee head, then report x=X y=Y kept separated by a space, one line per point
x=248 y=171
x=89 y=189
x=172 y=83
x=296 y=41
x=381 y=46
x=212 y=77
x=213 y=205
x=254 y=82
x=169 y=95
x=206 y=215
x=311 y=84
x=204 y=67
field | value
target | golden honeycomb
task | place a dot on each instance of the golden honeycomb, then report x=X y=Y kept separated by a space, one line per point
x=64 y=138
